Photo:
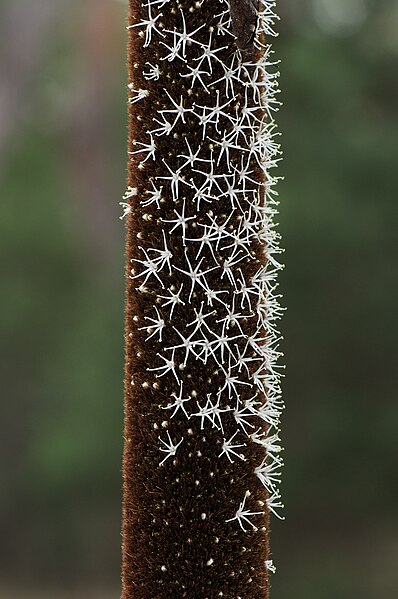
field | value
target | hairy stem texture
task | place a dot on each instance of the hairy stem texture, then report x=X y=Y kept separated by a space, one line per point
x=202 y=389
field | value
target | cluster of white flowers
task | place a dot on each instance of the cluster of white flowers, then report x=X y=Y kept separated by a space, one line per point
x=237 y=139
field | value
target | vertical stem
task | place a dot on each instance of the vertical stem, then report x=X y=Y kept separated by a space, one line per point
x=202 y=392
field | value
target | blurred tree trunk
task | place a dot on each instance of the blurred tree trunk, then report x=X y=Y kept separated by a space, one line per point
x=23 y=45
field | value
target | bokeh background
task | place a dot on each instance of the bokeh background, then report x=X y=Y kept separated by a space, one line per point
x=62 y=175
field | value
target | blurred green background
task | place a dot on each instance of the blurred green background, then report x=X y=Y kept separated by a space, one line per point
x=63 y=170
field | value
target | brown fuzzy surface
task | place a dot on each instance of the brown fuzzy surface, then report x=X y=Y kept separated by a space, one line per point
x=176 y=541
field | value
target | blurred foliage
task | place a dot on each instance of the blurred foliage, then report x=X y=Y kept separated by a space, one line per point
x=62 y=264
